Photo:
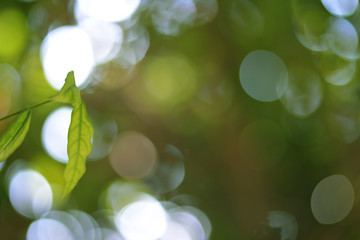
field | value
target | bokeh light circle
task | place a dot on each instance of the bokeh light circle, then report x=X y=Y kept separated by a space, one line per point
x=133 y=155
x=304 y=92
x=14 y=32
x=332 y=199
x=343 y=38
x=176 y=231
x=335 y=70
x=194 y=222
x=30 y=194
x=54 y=133
x=310 y=27
x=106 y=38
x=169 y=17
x=169 y=171
x=88 y=224
x=345 y=121
x=263 y=75
x=167 y=82
x=48 y=229
x=206 y=11
x=107 y=10
x=120 y=193
x=142 y=220
x=170 y=79
x=247 y=21
x=104 y=136
x=341 y=8
x=109 y=234
x=72 y=224
x=65 y=49
x=134 y=47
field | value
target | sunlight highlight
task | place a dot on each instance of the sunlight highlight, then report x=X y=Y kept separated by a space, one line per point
x=106 y=38
x=88 y=224
x=30 y=194
x=73 y=226
x=142 y=220
x=343 y=39
x=55 y=132
x=120 y=193
x=107 y=10
x=193 y=222
x=176 y=231
x=65 y=49
x=341 y=8
x=48 y=229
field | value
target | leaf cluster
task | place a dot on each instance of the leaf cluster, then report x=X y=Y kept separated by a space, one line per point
x=79 y=134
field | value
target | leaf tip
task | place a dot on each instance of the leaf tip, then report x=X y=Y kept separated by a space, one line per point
x=69 y=187
x=69 y=93
x=72 y=175
x=70 y=77
x=67 y=191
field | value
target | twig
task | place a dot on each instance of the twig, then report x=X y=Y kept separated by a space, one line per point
x=23 y=110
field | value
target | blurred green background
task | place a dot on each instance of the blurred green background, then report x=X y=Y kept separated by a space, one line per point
x=231 y=119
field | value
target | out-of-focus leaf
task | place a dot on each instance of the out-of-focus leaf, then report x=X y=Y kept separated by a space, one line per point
x=79 y=146
x=69 y=93
x=15 y=135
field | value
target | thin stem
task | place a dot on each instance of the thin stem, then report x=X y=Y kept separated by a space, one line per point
x=39 y=104
x=23 y=110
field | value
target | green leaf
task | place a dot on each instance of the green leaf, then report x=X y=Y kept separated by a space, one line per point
x=15 y=135
x=79 y=135
x=69 y=93
x=79 y=146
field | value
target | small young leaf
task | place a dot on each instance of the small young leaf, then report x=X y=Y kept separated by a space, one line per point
x=15 y=135
x=79 y=146
x=69 y=93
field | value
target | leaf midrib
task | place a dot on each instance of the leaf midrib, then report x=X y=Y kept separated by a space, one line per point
x=78 y=147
